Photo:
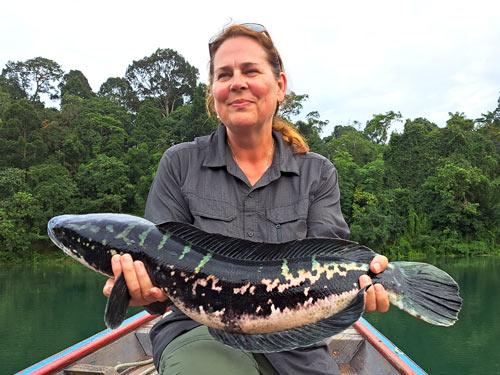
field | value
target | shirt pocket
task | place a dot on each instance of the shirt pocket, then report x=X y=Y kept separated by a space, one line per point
x=289 y=222
x=212 y=215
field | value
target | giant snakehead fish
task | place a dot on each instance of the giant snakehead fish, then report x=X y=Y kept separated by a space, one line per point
x=259 y=297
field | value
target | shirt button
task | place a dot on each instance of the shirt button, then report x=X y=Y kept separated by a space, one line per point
x=250 y=234
x=251 y=194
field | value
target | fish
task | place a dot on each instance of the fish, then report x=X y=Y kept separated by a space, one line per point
x=254 y=296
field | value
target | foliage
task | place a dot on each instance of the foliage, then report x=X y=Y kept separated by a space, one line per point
x=165 y=77
x=76 y=84
x=377 y=128
x=20 y=142
x=119 y=91
x=291 y=106
x=311 y=130
x=17 y=229
x=426 y=190
x=34 y=77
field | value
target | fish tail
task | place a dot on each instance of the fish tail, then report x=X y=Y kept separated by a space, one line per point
x=423 y=291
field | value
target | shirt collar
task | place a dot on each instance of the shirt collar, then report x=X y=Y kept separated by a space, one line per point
x=219 y=154
x=218 y=150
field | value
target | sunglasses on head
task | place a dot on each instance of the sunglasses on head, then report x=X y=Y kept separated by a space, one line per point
x=257 y=27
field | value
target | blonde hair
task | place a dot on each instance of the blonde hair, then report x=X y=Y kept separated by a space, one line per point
x=287 y=130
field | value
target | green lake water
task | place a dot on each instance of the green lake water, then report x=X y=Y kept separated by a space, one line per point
x=44 y=309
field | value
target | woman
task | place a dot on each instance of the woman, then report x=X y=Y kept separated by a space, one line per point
x=252 y=179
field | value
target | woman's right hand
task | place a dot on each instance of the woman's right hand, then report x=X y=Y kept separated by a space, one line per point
x=141 y=289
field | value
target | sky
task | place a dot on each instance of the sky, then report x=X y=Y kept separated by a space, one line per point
x=353 y=58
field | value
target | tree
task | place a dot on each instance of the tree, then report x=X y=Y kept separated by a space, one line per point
x=34 y=77
x=20 y=143
x=459 y=140
x=451 y=200
x=53 y=188
x=372 y=222
x=348 y=172
x=16 y=225
x=101 y=126
x=492 y=117
x=292 y=105
x=148 y=129
x=165 y=76
x=76 y=84
x=376 y=129
x=347 y=138
x=104 y=185
x=119 y=91
x=414 y=155
x=311 y=130
x=190 y=121
x=5 y=101
x=10 y=90
x=11 y=181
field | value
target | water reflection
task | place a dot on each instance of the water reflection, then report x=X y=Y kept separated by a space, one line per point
x=45 y=309
x=468 y=347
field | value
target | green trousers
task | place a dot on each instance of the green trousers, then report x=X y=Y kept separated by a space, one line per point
x=197 y=352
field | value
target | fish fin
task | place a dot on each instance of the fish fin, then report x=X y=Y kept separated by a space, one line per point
x=258 y=251
x=297 y=337
x=422 y=290
x=117 y=305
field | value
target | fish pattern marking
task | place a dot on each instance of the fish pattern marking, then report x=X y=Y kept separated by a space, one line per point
x=250 y=294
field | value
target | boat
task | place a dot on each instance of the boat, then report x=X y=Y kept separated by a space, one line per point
x=359 y=350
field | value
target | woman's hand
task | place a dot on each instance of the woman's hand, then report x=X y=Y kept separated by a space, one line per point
x=141 y=289
x=375 y=297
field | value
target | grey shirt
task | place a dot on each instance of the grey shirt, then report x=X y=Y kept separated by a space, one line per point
x=297 y=197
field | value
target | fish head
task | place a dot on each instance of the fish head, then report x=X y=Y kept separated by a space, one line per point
x=93 y=239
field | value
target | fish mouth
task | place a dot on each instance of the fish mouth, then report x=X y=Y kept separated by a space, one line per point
x=52 y=227
x=55 y=230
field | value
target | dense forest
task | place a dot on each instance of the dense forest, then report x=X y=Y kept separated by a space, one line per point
x=425 y=190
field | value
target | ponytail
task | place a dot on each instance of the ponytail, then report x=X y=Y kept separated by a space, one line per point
x=290 y=135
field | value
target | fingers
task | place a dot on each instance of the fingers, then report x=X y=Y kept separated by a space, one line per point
x=133 y=285
x=116 y=265
x=376 y=298
x=379 y=263
x=382 y=298
x=117 y=269
x=108 y=287
x=370 y=299
x=141 y=289
x=149 y=292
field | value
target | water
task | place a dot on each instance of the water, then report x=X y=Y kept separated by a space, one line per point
x=45 y=309
x=471 y=346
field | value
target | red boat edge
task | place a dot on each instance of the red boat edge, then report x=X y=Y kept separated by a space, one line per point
x=87 y=346
x=395 y=357
x=399 y=360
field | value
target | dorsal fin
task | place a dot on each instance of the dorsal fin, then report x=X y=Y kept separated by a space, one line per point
x=260 y=251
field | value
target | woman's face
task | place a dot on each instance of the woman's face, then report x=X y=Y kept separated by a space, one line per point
x=245 y=90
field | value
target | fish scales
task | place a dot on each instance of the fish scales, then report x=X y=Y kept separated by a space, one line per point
x=242 y=300
x=258 y=301
x=231 y=295
x=237 y=287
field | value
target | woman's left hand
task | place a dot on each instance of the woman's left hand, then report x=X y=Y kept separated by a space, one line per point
x=376 y=297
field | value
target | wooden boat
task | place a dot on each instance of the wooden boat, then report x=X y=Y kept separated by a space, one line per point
x=360 y=349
